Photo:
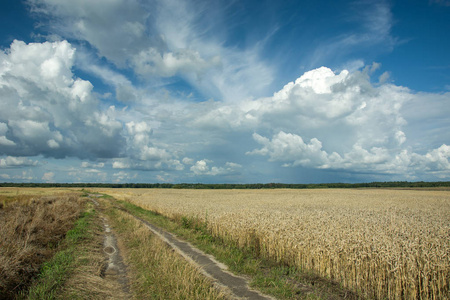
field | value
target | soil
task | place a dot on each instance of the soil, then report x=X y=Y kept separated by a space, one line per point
x=114 y=268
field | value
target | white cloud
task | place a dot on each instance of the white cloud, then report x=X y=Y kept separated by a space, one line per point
x=47 y=110
x=121 y=164
x=162 y=38
x=291 y=147
x=124 y=176
x=140 y=132
x=201 y=168
x=293 y=151
x=371 y=22
x=86 y=164
x=48 y=177
x=350 y=124
x=322 y=120
x=188 y=161
x=153 y=153
x=15 y=162
x=434 y=160
x=112 y=27
x=151 y=62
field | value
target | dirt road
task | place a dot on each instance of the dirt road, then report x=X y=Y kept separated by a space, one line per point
x=236 y=286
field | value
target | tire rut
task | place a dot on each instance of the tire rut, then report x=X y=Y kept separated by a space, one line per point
x=114 y=268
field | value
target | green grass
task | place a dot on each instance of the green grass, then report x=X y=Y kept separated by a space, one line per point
x=270 y=277
x=54 y=273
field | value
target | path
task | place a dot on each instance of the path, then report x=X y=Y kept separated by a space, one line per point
x=209 y=266
x=114 y=269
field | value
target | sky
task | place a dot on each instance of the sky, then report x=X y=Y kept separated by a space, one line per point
x=146 y=91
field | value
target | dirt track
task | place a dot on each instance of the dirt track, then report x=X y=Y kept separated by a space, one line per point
x=114 y=269
x=236 y=286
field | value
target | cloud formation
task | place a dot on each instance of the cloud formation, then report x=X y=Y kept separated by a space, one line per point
x=201 y=168
x=15 y=162
x=322 y=120
x=161 y=39
x=47 y=110
x=169 y=90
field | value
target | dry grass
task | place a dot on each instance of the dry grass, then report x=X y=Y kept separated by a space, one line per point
x=156 y=271
x=10 y=195
x=384 y=244
x=31 y=229
x=87 y=280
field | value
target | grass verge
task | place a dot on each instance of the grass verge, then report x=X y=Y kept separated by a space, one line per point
x=276 y=279
x=156 y=271
x=55 y=272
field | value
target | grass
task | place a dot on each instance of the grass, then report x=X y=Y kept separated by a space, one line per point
x=276 y=279
x=52 y=248
x=156 y=271
x=55 y=272
x=32 y=231
x=76 y=271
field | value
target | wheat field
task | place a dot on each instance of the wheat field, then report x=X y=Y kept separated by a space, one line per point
x=380 y=243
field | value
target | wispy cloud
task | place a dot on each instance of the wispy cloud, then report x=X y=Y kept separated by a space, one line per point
x=372 y=22
x=167 y=90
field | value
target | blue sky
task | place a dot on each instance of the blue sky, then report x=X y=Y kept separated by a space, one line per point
x=224 y=91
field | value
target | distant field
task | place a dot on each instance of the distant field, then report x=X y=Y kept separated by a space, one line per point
x=21 y=194
x=382 y=243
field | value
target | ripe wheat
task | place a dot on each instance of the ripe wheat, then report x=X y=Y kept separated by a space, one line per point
x=390 y=244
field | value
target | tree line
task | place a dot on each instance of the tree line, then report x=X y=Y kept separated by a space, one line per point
x=386 y=184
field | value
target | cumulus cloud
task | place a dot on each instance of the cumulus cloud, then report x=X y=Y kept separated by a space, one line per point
x=14 y=162
x=139 y=132
x=292 y=151
x=291 y=147
x=47 y=110
x=351 y=125
x=201 y=168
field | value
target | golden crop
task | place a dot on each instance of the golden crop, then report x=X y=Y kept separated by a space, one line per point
x=391 y=244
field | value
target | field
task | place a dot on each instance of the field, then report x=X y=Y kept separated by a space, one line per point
x=33 y=222
x=380 y=243
x=52 y=246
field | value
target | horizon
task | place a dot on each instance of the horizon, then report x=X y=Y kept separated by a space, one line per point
x=172 y=91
